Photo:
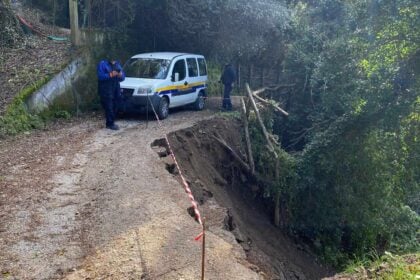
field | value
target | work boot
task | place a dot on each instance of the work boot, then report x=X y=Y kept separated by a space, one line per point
x=113 y=127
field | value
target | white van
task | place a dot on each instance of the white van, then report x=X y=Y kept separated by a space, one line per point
x=166 y=79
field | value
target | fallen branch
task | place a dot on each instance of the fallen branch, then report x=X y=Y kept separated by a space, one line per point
x=247 y=138
x=270 y=140
x=257 y=113
x=272 y=88
x=271 y=104
x=233 y=153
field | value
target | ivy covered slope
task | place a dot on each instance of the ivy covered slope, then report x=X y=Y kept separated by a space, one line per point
x=28 y=61
x=355 y=125
x=16 y=118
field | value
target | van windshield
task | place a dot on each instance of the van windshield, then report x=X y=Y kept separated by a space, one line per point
x=147 y=68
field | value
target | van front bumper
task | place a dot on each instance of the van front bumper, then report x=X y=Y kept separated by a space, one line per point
x=138 y=103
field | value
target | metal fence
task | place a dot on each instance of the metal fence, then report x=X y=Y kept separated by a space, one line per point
x=256 y=76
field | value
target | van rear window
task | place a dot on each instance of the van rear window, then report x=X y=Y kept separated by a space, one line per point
x=192 y=67
x=202 y=66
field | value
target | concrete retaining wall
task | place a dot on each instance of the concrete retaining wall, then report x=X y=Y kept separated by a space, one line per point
x=60 y=85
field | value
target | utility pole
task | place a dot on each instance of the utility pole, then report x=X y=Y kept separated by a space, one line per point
x=74 y=23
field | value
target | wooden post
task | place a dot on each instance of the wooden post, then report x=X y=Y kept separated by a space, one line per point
x=247 y=137
x=250 y=75
x=74 y=23
x=203 y=255
x=239 y=78
x=277 y=198
x=262 y=77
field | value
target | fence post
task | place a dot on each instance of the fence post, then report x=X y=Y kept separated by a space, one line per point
x=250 y=75
x=203 y=253
x=239 y=78
x=262 y=76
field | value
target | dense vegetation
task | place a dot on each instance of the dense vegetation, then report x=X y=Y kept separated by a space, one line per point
x=350 y=147
x=355 y=122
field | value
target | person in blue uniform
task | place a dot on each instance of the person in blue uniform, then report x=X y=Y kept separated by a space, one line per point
x=228 y=78
x=110 y=74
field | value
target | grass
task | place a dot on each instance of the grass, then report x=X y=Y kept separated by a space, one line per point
x=387 y=267
x=229 y=114
x=17 y=119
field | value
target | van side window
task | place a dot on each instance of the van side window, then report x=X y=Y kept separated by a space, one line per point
x=192 y=67
x=202 y=66
x=179 y=67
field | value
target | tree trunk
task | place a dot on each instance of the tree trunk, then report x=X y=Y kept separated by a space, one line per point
x=74 y=23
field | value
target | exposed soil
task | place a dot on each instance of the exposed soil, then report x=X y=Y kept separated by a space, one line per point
x=229 y=200
x=81 y=202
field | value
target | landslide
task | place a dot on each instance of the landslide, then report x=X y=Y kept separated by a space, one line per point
x=230 y=201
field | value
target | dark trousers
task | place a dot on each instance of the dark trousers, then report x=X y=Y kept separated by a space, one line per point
x=108 y=104
x=227 y=103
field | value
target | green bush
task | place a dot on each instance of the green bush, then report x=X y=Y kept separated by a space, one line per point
x=214 y=88
x=17 y=118
x=386 y=267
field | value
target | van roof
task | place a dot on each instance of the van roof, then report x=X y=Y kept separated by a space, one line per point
x=163 y=55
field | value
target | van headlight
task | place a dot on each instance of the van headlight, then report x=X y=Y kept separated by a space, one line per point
x=144 y=91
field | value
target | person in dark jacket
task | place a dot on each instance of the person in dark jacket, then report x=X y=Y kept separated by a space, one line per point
x=228 y=78
x=110 y=74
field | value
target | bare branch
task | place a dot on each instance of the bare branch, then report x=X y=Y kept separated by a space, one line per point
x=271 y=88
x=233 y=153
x=271 y=104
x=264 y=130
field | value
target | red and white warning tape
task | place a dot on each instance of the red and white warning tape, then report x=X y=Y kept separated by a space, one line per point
x=183 y=180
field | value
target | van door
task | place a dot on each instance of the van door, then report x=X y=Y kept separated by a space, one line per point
x=193 y=79
x=179 y=83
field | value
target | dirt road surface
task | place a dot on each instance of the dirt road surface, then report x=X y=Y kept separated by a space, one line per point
x=78 y=201
x=82 y=202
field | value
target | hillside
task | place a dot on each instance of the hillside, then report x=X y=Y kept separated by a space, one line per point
x=32 y=58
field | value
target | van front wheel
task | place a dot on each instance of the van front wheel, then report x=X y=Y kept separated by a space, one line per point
x=163 y=110
x=200 y=101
